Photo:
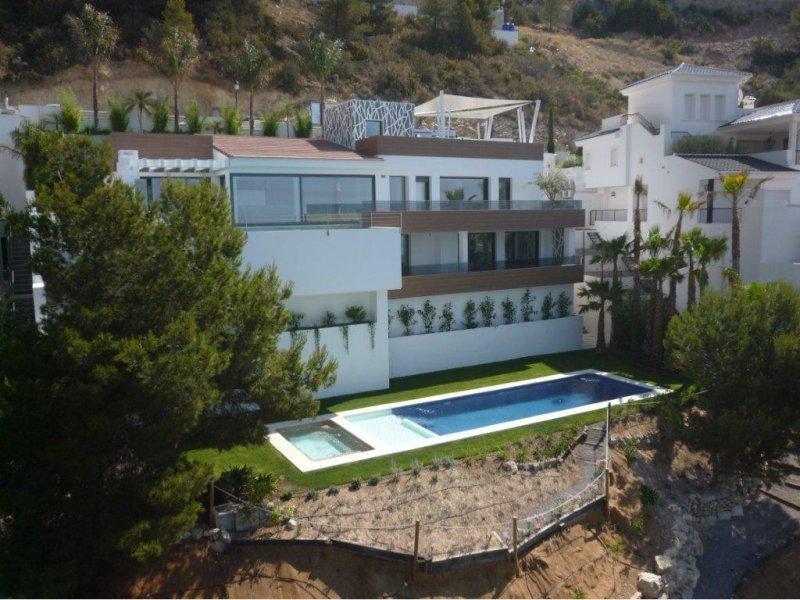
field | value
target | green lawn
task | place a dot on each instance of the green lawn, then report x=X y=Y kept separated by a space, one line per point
x=264 y=458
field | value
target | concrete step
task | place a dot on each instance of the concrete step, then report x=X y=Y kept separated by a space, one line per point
x=792 y=481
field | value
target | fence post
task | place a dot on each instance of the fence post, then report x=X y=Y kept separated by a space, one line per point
x=516 y=554
x=416 y=550
x=607 y=469
x=212 y=517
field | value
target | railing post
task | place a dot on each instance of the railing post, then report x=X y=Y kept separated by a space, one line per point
x=416 y=550
x=516 y=552
x=212 y=517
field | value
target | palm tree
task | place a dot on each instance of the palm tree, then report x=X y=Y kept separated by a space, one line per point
x=658 y=268
x=712 y=249
x=174 y=49
x=251 y=66
x=686 y=205
x=610 y=252
x=653 y=245
x=733 y=186
x=322 y=59
x=95 y=37
x=597 y=293
x=142 y=101
x=639 y=190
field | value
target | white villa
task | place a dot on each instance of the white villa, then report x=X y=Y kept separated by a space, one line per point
x=694 y=100
x=385 y=215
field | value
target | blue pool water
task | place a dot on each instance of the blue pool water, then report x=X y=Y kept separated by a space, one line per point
x=404 y=426
x=472 y=411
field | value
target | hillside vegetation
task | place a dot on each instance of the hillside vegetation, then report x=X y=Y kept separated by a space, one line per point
x=572 y=55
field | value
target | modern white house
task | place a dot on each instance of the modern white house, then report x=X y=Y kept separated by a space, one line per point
x=697 y=100
x=385 y=215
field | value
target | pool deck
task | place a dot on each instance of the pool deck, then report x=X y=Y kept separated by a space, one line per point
x=379 y=448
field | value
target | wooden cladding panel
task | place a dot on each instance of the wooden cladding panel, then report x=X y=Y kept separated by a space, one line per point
x=482 y=281
x=412 y=146
x=489 y=220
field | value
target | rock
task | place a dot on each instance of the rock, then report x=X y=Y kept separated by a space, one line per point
x=196 y=533
x=509 y=466
x=219 y=546
x=737 y=511
x=710 y=520
x=291 y=524
x=212 y=533
x=725 y=515
x=225 y=536
x=663 y=563
x=649 y=584
x=636 y=596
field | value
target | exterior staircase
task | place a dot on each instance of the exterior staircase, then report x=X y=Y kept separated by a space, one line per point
x=18 y=282
x=787 y=492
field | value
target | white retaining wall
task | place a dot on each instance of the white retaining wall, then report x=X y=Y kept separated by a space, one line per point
x=361 y=368
x=425 y=353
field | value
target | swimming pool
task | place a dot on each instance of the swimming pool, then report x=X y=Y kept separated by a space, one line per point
x=380 y=430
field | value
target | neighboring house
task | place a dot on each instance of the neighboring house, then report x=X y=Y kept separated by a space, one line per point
x=694 y=100
x=377 y=217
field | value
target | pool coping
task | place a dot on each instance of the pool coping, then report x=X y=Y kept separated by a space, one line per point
x=305 y=464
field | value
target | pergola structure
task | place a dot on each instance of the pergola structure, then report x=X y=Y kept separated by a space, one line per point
x=448 y=106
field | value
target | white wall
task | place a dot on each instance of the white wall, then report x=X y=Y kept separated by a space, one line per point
x=313 y=308
x=437 y=351
x=329 y=261
x=361 y=367
x=396 y=328
x=12 y=183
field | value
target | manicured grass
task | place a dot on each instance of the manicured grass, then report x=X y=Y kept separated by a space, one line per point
x=264 y=458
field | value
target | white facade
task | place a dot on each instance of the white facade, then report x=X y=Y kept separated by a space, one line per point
x=698 y=101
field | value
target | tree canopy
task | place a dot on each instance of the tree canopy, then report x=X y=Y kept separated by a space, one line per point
x=155 y=336
x=742 y=349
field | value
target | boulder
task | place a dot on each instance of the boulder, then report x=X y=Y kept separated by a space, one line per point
x=212 y=533
x=650 y=584
x=196 y=533
x=737 y=511
x=509 y=466
x=218 y=546
x=663 y=563
x=291 y=524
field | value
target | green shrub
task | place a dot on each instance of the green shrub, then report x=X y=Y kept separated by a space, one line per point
x=118 y=115
x=649 y=496
x=269 y=123
x=509 y=310
x=702 y=144
x=630 y=449
x=573 y=160
x=405 y=315
x=562 y=305
x=589 y=21
x=526 y=306
x=303 y=126
x=416 y=467
x=428 y=315
x=355 y=485
x=329 y=320
x=333 y=490
x=547 y=306
x=160 y=116
x=649 y=17
x=231 y=120
x=373 y=481
x=356 y=313
x=446 y=319
x=286 y=496
x=194 y=122
x=312 y=495
x=68 y=118
x=637 y=525
x=470 y=315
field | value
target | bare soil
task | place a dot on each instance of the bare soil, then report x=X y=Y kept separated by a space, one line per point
x=777 y=577
x=463 y=507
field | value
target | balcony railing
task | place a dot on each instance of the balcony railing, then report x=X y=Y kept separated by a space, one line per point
x=350 y=214
x=715 y=215
x=613 y=214
x=499 y=265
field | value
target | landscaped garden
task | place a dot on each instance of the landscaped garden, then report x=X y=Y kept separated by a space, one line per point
x=263 y=458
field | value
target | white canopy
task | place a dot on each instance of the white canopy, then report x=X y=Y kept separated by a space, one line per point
x=467 y=107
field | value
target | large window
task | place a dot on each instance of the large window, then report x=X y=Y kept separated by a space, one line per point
x=688 y=107
x=522 y=249
x=504 y=192
x=151 y=186
x=480 y=247
x=463 y=191
x=705 y=107
x=405 y=259
x=423 y=192
x=397 y=193
x=287 y=199
x=719 y=107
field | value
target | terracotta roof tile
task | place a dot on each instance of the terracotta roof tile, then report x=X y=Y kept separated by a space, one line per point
x=163 y=145
x=273 y=147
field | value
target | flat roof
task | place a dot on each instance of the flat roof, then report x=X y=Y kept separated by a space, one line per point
x=236 y=146
x=765 y=113
x=734 y=163
x=164 y=145
x=386 y=145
